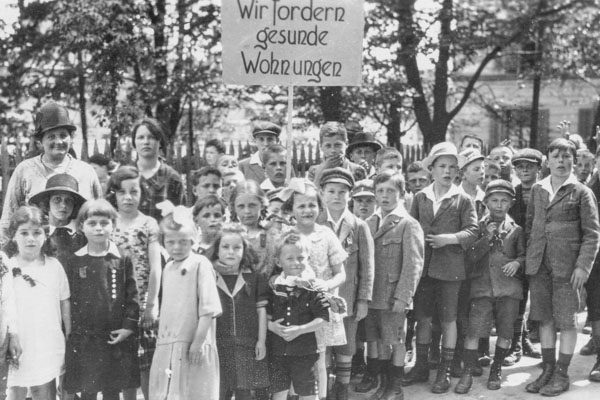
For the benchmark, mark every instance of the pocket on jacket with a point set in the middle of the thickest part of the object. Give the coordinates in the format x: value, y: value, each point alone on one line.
x: 391, y: 247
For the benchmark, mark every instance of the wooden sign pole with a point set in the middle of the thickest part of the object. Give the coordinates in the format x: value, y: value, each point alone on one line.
x: 289, y: 143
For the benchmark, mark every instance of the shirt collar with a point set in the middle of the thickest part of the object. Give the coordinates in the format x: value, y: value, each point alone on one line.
x: 71, y: 227
x: 399, y: 212
x: 255, y: 159
x: 546, y: 183
x: 112, y: 249
x: 267, y: 185
x: 479, y: 195
x: 428, y: 192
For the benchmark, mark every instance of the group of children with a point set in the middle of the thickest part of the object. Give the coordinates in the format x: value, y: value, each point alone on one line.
x: 265, y: 287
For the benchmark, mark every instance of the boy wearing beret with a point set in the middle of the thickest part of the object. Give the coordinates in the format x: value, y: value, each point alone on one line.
x: 354, y: 234
x: 265, y: 134
x: 498, y: 259
x: 563, y: 234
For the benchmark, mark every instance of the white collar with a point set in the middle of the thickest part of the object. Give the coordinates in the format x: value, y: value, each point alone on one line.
x: 112, y: 249
x: 546, y: 184
x: 479, y: 195
x: 255, y: 159
x: 428, y: 192
x: 71, y: 227
x: 399, y: 211
x: 337, y: 224
x: 267, y: 185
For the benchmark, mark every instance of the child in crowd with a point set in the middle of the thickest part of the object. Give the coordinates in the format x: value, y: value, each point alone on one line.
x: 295, y: 313
x: 326, y: 259
x: 101, y: 349
x: 496, y: 286
x: 137, y: 234
x: 355, y: 237
x: 209, y: 216
x: 389, y: 158
x: 61, y: 202
x: 584, y: 166
x: 501, y: 155
x: 41, y: 294
x: 527, y: 163
x: 399, y: 246
x: 227, y: 164
x: 363, y: 199
x: 563, y: 236
x: 10, y: 344
x: 449, y: 222
x: 362, y: 150
x: 471, y: 142
x: 265, y: 134
x: 186, y: 361
x: 103, y: 167
x: 213, y: 149
x: 492, y: 172
x: 242, y: 328
x: 274, y: 159
x: 473, y: 173
x: 206, y: 181
x: 417, y: 177
x: 334, y: 141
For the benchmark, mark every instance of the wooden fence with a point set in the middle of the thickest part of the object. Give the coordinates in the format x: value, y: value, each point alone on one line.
x: 303, y: 156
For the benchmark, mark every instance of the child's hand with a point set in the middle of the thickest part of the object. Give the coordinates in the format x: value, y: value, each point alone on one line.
x: 14, y: 350
x: 437, y: 241
x: 119, y: 335
x: 334, y: 161
x: 399, y: 306
x: 195, y: 354
x: 511, y: 268
x: 362, y: 308
x: 578, y: 278
x: 261, y: 350
x: 564, y: 128
x: 150, y: 317
x: 291, y: 332
x: 276, y: 327
x: 492, y: 229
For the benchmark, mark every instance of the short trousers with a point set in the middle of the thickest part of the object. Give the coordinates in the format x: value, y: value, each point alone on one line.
x: 348, y: 349
x: 299, y: 370
x: 592, y: 286
x: 484, y: 311
x: 386, y: 326
x: 436, y: 295
x: 553, y: 298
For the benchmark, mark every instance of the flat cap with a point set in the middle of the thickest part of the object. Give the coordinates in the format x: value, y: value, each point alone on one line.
x: 499, y: 186
x: 337, y: 175
x: 265, y: 128
x: 364, y: 187
x: 529, y: 155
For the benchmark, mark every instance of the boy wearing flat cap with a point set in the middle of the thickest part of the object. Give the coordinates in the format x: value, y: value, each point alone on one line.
x: 363, y: 199
x: 354, y: 234
x: 562, y: 231
x: 265, y: 134
x: 498, y: 258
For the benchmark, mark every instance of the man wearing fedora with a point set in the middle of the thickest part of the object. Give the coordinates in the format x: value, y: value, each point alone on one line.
x: 54, y: 130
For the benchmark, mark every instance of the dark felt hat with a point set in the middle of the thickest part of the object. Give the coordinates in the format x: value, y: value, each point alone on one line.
x: 59, y: 183
x: 530, y: 155
x: 337, y: 175
x: 500, y: 186
x: 51, y: 116
x: 363, y: 139
x: 266, y: 128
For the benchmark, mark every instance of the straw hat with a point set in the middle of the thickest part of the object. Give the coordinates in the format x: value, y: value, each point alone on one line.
x: 439, y: 150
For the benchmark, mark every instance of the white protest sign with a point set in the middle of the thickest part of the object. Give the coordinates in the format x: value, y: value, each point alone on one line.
x: 292, y: 42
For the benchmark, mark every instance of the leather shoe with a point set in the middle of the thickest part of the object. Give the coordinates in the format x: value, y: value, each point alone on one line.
x: 442, y: 379
x: 529, y: 350
x: 595, y: 372
x: 558, y: 384
x: 588, y: 349
x: 495, y: 379
x: 419, y: 373
x: 466, y: 381
x: 542, y: 380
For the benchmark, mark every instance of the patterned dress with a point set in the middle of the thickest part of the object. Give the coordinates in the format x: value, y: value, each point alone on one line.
x: 135, y: 240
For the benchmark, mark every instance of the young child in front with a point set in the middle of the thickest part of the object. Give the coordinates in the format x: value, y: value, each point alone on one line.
x: 295, y: 312
x: 10, y: 344
x: 209, y: 216
x: 563, y: 234
x: 101, y: 349
x: 496, y: 285
x: 326, y: 260
x: 354, y: 234
x: 449, y: 223
x: 137, y: 234
x: 242, y: 328
x: 399, y: 247
x: 186, y: 360
x: 333, y: 139
x: 41, y: 293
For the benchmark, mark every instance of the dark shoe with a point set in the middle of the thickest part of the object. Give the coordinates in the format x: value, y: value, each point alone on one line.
x: 368, y: 383
x: 381, y: 389
x: 393, y: 390
x: 466, y: 381
x: 419, y: 373
x: 558, y: 384
x: 477, y: 370
x: 456, y: 369
x: 442, y: 379
x: 595, y: 372
x: 341, y: 392
x: 529, y: 350
x: 485, y: 360
x: 495, y: 379
x: 542, y: 380
x: 514, y: 353
x: 588, y: 349
x: 534, y: 335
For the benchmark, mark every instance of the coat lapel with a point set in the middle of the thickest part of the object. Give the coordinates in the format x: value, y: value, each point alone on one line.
x: 389, y: 223
x: 562, y: 193
x: 239, y: 284
x: 345, y: 230
x: 446, y: 203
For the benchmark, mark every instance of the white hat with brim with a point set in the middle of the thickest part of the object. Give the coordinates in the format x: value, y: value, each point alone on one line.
x: 439, y: 150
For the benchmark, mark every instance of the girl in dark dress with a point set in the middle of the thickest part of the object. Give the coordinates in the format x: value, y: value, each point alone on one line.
x: 242, y: 328
x: 101, y: 351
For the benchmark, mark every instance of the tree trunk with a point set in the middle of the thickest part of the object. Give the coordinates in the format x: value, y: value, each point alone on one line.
x: 534, y: 140
x: 331, y: 103
x: 82, y: 105
x: 393, y: 126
